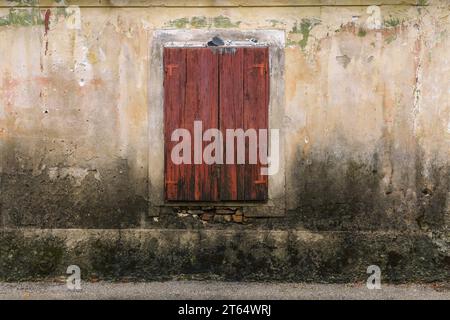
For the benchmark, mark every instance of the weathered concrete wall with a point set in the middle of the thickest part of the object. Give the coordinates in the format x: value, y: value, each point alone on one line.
x: 234, y: 255
x: 366, y: 121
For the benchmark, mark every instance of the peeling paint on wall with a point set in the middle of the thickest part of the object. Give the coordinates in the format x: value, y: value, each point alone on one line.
x: 77, y: 175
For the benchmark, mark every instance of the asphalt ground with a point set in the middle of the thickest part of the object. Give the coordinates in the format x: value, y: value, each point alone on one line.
x: 210, y: 290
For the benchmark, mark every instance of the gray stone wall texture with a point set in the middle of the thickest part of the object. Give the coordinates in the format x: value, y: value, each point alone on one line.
x: 361, y: 99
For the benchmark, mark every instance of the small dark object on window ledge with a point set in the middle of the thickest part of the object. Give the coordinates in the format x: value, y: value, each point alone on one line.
x: 215, y: 42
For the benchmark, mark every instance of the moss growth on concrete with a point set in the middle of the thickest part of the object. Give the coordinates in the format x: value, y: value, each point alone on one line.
x: 225, y: 22
x: 22, y: 17
x: 32, y: 16
x: 34, y: 258
x: 392, y: 22
x: 304, y: 28
x: 362, y: 32
x: 25, y: 2
x: 179, y: 23
x: 240, y: 255
x: 198, y: 22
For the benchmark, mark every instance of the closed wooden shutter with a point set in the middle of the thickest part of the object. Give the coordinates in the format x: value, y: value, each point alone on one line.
x: 225, y: 89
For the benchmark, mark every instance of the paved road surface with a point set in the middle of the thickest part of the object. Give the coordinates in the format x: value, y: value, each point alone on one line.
x: 219, y: 290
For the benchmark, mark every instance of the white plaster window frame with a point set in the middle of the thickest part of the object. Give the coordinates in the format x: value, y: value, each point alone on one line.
x: 275, y: 41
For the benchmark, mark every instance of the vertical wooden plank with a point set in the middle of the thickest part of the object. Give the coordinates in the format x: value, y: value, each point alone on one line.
x: 231, y: 91
x: 256, y: 88
x: 201, y: 105
x: 174, y: 103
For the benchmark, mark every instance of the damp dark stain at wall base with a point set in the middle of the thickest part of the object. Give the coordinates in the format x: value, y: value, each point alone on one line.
x: 240, y: 255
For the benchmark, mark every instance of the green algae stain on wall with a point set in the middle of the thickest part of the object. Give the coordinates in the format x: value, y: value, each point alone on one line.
x: 30, y: 16
x: 179, y: 23
x: 22, y: 17
x: 303, y: 29
x: 274, y: 23
x: 362, y: 32
x: 392, y: 22
x: 199, y: 22
x: 225, y: 22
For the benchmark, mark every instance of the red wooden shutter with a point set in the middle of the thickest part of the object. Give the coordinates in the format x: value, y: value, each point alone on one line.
x: 202, y: 104
x: 231, y: 117
x: 174, y: 103
x: 229, y: 90
x: 244, y: 93
x: 256, y: 108
x: 191, y: 94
